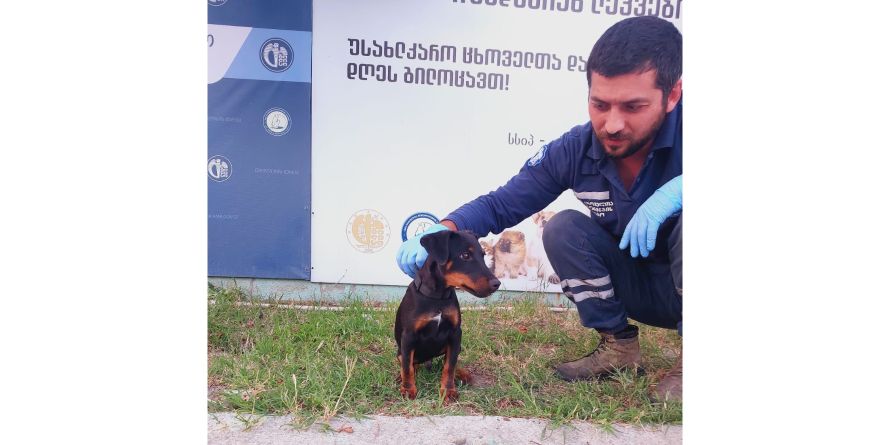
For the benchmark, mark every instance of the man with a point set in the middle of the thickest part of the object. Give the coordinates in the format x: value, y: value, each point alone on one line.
x: 625, y: 165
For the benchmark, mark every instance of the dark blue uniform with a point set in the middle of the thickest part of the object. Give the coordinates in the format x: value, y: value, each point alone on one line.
x: 605, y: 282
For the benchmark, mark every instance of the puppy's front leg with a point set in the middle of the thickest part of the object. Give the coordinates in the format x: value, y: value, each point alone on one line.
x: 407, y: 368
x: 447, y: 380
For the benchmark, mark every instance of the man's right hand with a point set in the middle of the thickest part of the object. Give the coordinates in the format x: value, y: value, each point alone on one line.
x: 643, y: 227
x: 412, y: 256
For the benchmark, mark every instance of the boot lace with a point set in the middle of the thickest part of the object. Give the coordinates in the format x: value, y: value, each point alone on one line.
x: 603, y: 346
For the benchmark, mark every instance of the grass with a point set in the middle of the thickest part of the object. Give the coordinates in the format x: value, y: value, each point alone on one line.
x: 314, y: 365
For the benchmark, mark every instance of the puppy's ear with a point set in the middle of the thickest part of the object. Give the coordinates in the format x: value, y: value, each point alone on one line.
x: 472, y: 234
x: 437, y: 245
x: 430, y: 278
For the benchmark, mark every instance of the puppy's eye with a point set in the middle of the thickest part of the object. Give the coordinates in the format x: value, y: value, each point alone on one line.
x: 465, y: 256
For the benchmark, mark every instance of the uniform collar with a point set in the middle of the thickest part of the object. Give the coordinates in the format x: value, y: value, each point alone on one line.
x: 666, y: 138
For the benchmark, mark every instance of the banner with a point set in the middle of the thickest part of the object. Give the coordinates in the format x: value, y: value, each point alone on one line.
x: 420, y: 107
x: 259, y: 160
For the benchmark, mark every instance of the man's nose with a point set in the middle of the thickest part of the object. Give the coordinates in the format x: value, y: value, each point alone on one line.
x: 614, y: 122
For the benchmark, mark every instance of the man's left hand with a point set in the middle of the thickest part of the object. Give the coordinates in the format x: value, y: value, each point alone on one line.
x: 643, y: 227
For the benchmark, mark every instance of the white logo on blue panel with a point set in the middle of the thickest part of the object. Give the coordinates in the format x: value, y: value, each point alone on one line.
x: 217, y: 2
x: 535, y: 160
x: 277, y: 121
x: 276, y: 55
x: 219, y: 168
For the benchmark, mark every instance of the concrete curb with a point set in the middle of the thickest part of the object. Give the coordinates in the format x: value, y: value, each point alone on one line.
x: 225, y: 429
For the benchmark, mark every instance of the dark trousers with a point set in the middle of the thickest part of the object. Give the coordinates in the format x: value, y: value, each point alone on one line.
x: 606, y: 283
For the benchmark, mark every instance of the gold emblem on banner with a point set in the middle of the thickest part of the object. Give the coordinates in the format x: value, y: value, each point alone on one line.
x: 368, y: 231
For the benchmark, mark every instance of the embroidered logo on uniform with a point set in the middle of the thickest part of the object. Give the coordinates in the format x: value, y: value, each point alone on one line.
x: 597, y: 202
x: 536, y: 159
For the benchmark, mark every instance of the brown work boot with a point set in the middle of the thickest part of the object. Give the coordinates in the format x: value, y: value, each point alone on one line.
x: 615, y: 351
x: 670, y: 388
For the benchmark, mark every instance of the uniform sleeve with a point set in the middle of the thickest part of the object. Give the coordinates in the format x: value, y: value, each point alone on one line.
x: 538, y: 183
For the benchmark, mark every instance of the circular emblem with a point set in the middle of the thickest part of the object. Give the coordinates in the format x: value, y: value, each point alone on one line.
x: 277, y: 121
x: 536, y: 159
x: 417, y: 223
x: 276, y: 55
x: 219, y: 168
x: 217, y: 2
x: 368, y: 231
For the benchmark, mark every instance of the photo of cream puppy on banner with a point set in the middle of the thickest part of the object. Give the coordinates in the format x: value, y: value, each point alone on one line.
x: 519, y: 259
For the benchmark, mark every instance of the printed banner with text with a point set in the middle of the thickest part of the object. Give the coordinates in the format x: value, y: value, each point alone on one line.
x: 420, y: 107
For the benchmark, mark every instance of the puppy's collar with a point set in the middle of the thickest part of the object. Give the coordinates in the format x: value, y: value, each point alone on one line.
x: 425, y: 290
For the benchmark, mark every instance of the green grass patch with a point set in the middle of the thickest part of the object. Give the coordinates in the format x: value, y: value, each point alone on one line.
x: 315, y: 364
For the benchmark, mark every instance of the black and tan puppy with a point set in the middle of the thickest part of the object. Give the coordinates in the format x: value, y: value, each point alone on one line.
x: 429, y: 318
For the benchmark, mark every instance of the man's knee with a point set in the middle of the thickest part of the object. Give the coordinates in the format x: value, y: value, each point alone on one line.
x: 563, y: 227
x: 675, y: 238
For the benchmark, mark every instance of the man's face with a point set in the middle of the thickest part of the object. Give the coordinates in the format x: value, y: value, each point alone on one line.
x: 628, y: 110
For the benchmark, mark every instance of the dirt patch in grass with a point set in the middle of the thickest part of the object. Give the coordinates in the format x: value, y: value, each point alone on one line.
x: 215, y: 389
x: 480, y: 378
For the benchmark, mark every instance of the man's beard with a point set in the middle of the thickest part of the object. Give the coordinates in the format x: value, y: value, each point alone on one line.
x: 636, y: 146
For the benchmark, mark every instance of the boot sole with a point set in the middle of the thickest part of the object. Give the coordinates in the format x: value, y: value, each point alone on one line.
x: 606, y: 375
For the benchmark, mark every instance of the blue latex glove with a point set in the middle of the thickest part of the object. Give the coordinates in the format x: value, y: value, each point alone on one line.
x: 643, y: 227
x: 412, y: 255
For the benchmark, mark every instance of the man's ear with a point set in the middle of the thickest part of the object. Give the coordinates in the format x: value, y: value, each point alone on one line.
x: 430, y: 277
x: 675, y: 95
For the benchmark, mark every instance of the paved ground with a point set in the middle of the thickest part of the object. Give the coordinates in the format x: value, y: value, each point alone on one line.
x: 225, y: 428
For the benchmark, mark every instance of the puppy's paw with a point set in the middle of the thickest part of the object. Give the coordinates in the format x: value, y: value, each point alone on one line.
x: 449, y: 395
x: 554, y: 279
x: 408, y: 391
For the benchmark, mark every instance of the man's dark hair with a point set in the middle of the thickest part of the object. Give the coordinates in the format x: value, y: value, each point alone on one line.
x: 636, y: 45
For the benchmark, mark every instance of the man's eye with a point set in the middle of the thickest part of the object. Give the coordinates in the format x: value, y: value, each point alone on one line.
x: 465, y: 256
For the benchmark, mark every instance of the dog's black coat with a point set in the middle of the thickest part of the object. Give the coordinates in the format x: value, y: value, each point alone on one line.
x: 428, y: 320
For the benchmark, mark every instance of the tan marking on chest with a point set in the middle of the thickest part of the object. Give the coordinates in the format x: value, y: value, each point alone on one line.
x: 424, y: 319
x: 452, y: 314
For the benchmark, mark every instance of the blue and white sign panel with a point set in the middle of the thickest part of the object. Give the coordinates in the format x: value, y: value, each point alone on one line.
x: 259, y: 159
